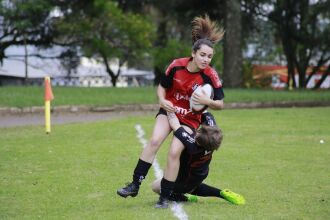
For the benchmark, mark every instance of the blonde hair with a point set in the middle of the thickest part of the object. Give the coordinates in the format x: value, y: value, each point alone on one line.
x: 205, y: 31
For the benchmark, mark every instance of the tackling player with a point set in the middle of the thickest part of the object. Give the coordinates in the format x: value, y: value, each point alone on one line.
x: 194, y: 166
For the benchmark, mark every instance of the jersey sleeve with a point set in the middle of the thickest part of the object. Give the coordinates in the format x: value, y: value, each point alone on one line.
x: 218, y: 94
x: 167, y: 79
x: 187, y: 139
x: 214, y: 80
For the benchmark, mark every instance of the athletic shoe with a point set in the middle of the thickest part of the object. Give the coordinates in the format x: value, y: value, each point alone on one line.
x: 129, y: 190
x: 192, y: 198
x: 162, y: 203
x: 232, y: 197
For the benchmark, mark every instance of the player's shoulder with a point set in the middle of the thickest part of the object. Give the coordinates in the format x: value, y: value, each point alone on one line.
x: 213, y: 75
x: 180, y: 62
x: 210, y: 71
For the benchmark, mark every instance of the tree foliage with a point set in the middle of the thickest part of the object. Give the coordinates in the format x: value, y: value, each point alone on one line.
x: 159, y: 31
x: 104, y: 32
x: 304, y: 38
x: 25, y: 23
x: 303, y: 28
x: 97, y: 28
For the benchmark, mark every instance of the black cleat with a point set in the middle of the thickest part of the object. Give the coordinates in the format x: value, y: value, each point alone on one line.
x: 162, y: 203
x: 129, y: 190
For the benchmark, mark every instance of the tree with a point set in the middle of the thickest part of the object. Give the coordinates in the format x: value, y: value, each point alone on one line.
x: 303, y: 28
x: 233, y: 75
x: 24, y: 23
x: 304, y: 37
x: 96, y: 28
x: 104, y: 32
x: 32, y: 23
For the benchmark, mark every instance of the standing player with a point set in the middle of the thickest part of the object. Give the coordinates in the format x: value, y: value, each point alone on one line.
x: 182, y: 77
x: 194, y: 166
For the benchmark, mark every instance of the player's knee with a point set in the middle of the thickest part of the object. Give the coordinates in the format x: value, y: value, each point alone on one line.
x: 154, y: 144
x: 174, y: 154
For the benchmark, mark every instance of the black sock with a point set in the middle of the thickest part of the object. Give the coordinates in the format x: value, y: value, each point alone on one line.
x: 140, y: 172
x: 207, y: 191
x: 166, y: 188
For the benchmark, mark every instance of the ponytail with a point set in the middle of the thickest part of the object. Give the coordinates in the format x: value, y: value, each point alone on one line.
x: 205, y: 31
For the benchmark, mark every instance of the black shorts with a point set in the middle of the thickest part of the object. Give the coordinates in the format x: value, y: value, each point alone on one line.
x: 188, y: 185
x: 161, y: 112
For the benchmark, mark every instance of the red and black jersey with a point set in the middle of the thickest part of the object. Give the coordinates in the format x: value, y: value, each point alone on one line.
x: 180, y: 84
x: 194, y: 160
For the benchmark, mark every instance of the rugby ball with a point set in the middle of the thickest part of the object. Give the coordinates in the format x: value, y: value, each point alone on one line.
x: 206, y: 89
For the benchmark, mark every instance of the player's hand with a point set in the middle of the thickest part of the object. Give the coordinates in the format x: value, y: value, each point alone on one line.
x: 167, y: 105
x: 201, y: 98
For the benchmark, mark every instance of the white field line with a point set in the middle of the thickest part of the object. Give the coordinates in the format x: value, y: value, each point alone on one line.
x: 176, y: 208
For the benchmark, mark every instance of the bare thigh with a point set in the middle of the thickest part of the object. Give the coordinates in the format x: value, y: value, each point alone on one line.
x: 160, y: 132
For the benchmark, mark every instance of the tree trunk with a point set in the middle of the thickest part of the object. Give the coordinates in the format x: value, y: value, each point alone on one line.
x: 26, y: 61
x: 160, y: 41
x: 232, y: 73
x: 109, y: 71
x: 114, y: 81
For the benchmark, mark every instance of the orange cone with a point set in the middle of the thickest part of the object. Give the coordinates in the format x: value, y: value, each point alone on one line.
x: 48, y: 90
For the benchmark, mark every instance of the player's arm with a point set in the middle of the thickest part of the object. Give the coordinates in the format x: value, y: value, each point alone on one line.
x: 203, y: 99
x: 164, y: 103
x: 215, y: 104
x: 187, y: 139
x: 173, y: 121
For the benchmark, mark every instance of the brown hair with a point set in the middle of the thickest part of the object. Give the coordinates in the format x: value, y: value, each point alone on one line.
x: 209, y: 137
x: 205, y: 31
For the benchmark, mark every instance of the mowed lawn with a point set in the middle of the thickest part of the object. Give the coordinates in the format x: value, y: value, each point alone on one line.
x: 271, y: 156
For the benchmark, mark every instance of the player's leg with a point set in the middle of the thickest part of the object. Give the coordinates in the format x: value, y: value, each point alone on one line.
x: 171, y: 171
x: 177, y: 196
x: 160, y: 132
x: 205, y: 190
x: 156, y: 186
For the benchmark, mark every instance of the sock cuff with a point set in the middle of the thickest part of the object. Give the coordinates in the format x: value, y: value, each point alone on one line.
x: 142, y: 167
x: 144, y: 163
x: 140, y: 171
x: 166, y: 188
x: 166, y: 183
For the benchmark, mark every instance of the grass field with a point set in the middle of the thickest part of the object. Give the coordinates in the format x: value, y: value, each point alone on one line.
x: 33, y: 96
x: 271, y: 156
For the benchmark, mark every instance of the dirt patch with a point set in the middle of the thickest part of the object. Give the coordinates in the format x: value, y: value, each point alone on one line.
x: 11, y: 117
x: 14, y: 120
